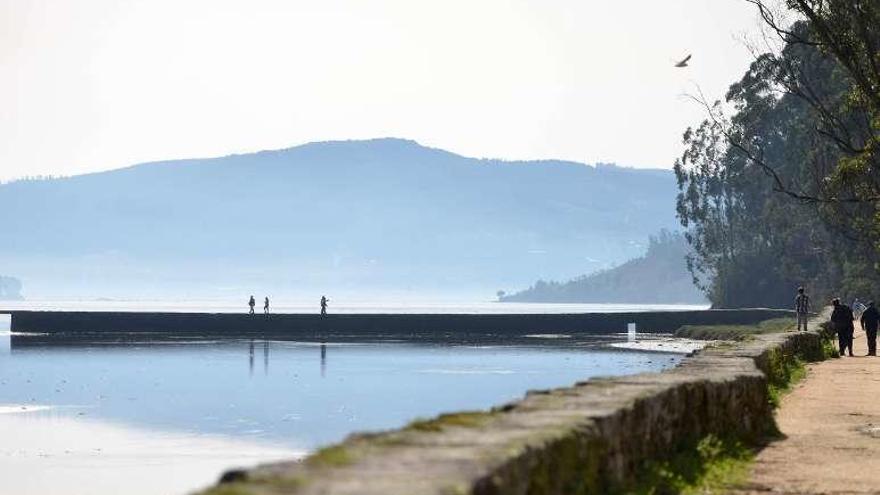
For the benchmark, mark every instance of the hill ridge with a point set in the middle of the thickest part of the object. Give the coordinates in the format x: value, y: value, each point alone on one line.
x: 385, y: 213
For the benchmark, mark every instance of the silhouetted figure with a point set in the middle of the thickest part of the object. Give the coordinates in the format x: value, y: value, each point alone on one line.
x: 802, y: 308
x: 842, y: 319
x: 324, y: 302
x: 266, y: 305
x: 870, y: 321
x: 252, y: 302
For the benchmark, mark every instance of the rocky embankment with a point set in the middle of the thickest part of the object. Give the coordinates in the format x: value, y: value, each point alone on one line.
x: 592, y: 437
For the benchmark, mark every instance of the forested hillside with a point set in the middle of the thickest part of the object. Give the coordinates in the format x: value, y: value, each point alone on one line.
x: 658, y: 277
x: 360, y: 217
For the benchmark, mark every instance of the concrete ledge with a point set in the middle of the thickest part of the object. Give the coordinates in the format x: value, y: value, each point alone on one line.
x: 589, y: 438
x: 427, y: 327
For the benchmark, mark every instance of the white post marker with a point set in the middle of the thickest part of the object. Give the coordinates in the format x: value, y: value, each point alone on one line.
x: 631, y: 332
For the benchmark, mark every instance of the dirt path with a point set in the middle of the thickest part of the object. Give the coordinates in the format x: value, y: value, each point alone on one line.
x: 831, y: 422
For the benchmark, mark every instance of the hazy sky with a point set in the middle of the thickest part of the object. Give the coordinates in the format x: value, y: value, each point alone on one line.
x: 96, y: 84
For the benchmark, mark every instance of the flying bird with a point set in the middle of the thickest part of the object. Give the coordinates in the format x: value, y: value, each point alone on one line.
x: 684, y: 62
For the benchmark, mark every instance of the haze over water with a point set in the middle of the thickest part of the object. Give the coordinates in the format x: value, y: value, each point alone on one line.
x: 345, y: 306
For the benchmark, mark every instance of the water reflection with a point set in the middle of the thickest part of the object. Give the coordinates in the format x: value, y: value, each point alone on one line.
x: 251, y: 352
x: 266, y: 357
x: 251, y: 358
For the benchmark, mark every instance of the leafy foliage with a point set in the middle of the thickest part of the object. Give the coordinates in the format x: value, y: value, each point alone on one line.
x: 712, y: 465
x: 775, y: 196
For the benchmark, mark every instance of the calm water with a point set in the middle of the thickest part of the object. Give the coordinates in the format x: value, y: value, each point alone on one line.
x: 214, y: 405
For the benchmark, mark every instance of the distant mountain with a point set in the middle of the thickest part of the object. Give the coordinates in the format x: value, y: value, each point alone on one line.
x: 10, y: 288
x: 350, y: 217
x: 658, y: 277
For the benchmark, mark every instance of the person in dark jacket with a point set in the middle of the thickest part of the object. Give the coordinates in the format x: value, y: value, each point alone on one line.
x: 842, y: 319
x: 870, y: 321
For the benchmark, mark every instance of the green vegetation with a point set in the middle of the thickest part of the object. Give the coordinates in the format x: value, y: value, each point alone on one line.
x: 275, y: 483
x: 660, y: 276
x: 712, y: 465
x: 333, y: 456
x: 466, y: 419
x: 715, y: 465
x: 734, y: 332
x: 228, y: 489
x: 785, y: 372
x: 780, y: 185
x: 793, y: 371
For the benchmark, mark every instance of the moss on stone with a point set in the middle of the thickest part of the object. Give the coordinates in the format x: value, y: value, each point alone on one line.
x: 228, y: 489
x: 734, y: 332
x: 332, y: 456
x: 571, y: 466
x: 466, y: 419
x: 785, y: 372
x: 455, y: 490
x: 275, y: 483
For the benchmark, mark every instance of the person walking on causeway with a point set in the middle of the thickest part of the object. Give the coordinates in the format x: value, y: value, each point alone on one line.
x: 870, y: 321
x: 802, y: 308
x: 252, y: 302
x: 842, y: 319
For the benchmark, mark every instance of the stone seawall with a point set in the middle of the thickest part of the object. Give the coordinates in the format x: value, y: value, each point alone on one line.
x: 58, y: 325
x: 589, y: 438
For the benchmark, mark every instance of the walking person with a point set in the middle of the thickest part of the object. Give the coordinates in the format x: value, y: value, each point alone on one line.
x: 252, y: 302
x: 802, y: 308
x: 870, y: 321
x: 266, y: 305
x: 842, y: 319
x: 324, y: 302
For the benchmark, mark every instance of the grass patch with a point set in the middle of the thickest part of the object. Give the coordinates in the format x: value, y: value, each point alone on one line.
x: 784, y: 374
x: 333, y: 456
x: 228, y: 489
x: 828, y: 350
x: 285, y: 484
x: 467, y: 419
x: 826, y: 331
x: 734, y: 332
x: 713, y: 465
